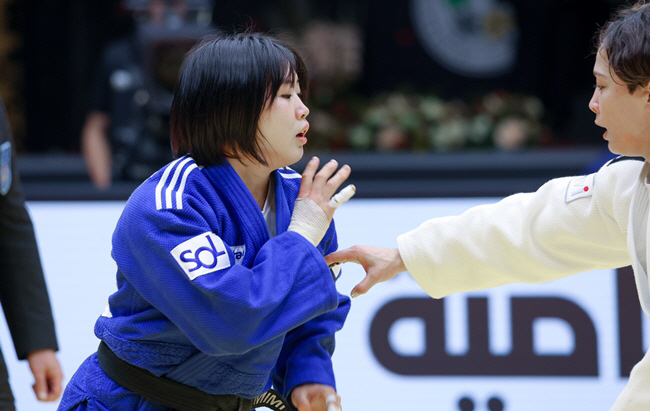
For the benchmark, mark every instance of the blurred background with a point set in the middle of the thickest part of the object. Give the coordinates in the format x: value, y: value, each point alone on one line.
x: 437, y: 105
x: 418, y: 82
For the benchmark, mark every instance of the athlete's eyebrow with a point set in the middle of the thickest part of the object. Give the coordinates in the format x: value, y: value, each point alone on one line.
x: 599, y: 74
x: 290, y: 82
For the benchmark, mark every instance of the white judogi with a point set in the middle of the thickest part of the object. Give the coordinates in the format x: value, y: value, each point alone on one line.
x: 568, y: 226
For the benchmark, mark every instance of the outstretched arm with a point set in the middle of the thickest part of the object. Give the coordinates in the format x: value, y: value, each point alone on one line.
x: 381, y: 264
x: 569, y: 225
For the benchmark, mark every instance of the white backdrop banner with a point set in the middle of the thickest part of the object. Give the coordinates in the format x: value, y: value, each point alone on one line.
x: 564, y: 345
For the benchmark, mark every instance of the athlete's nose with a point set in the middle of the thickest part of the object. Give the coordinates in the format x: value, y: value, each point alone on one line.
x: 593, y: 103
x: 302, y: 111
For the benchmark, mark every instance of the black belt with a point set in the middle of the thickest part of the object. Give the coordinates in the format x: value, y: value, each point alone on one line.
x: 176, y: 395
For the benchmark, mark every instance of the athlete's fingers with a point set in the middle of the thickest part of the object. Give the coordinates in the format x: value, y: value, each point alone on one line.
x: 366, y: 284
x: 342, y: 256
x: 333, y: 402
x: 308, y: 177
x: 336, y: 180
x: 342, y: 196
x: 301, y: 401
x: 352, y: 255
x: 323, y: 175
x: 380, y: 264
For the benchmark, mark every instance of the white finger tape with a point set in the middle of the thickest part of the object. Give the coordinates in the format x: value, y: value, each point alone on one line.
x: 342, y: 196
x: 331, y: 403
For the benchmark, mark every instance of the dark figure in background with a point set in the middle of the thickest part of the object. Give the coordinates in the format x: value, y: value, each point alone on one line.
x: 23, y: 292
x: 126, y: 132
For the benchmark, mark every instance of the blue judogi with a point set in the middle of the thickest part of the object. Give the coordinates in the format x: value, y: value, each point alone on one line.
x: 206, y: 298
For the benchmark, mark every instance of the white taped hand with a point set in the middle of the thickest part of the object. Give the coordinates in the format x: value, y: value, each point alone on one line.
x: 309, y: 220
x: 343, y: 196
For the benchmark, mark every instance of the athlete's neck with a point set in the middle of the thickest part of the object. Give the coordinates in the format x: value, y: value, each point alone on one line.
x: 255, y: 176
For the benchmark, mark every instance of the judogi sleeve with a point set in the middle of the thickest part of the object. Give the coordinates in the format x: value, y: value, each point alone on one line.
x: 306, y: 354
x: 226, y: 308
x: 23, y: 291
x: 570, y: 225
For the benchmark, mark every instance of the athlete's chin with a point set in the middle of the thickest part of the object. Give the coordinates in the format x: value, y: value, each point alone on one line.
x: 612, y: 147
x: 294, y: 156
x: 621, y: 151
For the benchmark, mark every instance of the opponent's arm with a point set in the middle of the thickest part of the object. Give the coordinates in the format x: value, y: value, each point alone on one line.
x: 569, y: 225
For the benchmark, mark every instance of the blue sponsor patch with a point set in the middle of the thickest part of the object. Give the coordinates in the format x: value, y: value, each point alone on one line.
x: 5, y: 167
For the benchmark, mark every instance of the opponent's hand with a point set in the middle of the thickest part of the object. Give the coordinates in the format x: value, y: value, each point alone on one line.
x: 47, y: 374
x: 380, y: 264
x: 315, y: 206
x: 315, y: 397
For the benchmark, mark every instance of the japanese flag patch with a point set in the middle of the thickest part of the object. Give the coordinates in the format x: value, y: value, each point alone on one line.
x: 579, y: 187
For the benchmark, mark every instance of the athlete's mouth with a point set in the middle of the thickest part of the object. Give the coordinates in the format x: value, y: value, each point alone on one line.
x: 303, y: 132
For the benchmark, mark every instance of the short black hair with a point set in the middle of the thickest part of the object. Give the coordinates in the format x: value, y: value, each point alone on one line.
x: 625, y: 39
x: 225, y: 82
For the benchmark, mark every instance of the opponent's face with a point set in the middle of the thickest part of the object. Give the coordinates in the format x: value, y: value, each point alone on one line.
x: 624, y: 115
x: 282, y: 126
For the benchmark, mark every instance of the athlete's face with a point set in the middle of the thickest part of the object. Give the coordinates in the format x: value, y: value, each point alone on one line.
x: 625, y: 116
x: 283, y: 126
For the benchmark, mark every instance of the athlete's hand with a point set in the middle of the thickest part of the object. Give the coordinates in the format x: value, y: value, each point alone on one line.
x: 321, y: 186
x: 315, y: 206
x: 314, y: 397
x: 47, y: 374
x: 381, y: 264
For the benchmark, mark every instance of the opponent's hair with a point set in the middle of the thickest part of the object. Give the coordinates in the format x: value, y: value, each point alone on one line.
x: 224, y: 84
x: 625, y: 39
